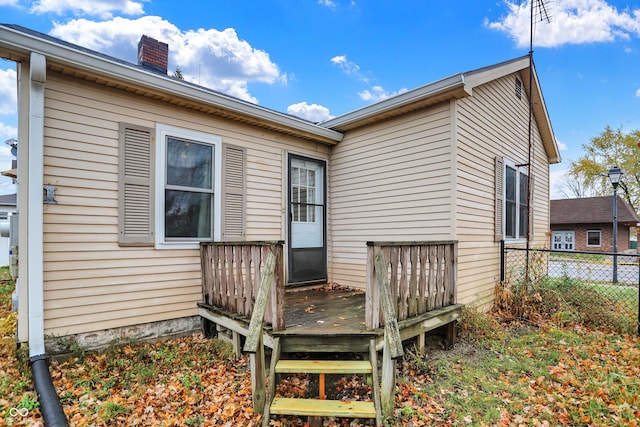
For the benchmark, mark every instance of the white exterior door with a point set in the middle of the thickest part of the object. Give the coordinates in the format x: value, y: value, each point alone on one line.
x: 307, y: 237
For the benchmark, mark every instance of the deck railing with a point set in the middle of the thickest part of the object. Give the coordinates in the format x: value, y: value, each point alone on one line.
x: 231, y: 274
x: 422, y: 277
x: 404, y: 280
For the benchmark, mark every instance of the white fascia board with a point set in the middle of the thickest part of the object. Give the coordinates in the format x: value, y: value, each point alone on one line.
x: 486, y: 74
x: 554, y: 157
x: 125, y: 73
x: 398, y: 101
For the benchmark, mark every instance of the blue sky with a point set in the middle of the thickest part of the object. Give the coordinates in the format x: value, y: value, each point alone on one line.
x: 323, y: 58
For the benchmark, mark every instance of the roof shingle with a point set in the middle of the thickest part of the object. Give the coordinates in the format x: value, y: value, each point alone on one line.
x: 591, y: 210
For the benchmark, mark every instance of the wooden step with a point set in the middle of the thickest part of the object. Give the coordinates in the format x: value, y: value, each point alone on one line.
x: 322, y: 408
x: 316, y: 343
x: 324, y: 366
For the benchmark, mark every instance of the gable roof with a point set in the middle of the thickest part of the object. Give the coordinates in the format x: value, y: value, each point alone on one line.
x: 17, y: 43
x: 456, y: 87
x: 591, y: 210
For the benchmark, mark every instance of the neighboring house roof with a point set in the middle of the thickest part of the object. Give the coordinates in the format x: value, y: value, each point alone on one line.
x: 8, y: 203
x: 8, y: 199
x: 591, y: 210
x: 16, y: 43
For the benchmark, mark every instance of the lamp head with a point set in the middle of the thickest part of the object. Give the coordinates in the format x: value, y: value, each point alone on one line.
x: 615, y: 175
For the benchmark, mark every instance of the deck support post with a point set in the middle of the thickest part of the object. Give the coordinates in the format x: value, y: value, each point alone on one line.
x: 422, y: 341
x: 235, y: 342
x: 258, y: 375
x: 450, y: 335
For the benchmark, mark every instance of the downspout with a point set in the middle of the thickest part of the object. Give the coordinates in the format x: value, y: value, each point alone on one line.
x: 49, y: 402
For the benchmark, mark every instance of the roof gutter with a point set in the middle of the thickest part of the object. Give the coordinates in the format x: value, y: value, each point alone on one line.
x: 440, y: 87
x: 127, y: 73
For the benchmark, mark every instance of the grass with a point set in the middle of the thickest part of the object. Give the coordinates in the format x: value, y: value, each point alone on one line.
x: 600, y: 304
x: 595, y: 304
x: 578, y: 256
x: 6, y: 288
x: 519, y: 374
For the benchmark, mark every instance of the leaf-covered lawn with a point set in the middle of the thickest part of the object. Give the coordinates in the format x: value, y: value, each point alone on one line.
x: 517, y: 376
x: 528, y: 376
x: 509, y: 375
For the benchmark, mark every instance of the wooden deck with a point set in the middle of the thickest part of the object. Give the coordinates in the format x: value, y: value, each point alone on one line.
x: 410, y: 291
x: 336, y: 314
x: 324, y: 311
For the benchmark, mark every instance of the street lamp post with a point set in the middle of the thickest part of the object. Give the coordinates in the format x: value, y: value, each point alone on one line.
x: 615, y: 174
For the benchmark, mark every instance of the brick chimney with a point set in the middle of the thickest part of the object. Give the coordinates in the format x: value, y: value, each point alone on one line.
x: 153, y: 54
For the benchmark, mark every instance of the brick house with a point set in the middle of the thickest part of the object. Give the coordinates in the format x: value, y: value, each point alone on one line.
x: 586, y: 224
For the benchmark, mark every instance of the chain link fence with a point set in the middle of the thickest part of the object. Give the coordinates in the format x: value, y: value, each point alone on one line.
x: 589, y: 287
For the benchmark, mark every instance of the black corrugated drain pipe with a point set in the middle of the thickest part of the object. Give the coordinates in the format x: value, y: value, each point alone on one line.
x: 50, y: 407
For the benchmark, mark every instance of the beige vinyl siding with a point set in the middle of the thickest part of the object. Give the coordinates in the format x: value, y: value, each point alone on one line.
x: 493, y: 122
x: 389, y: 181
x: 90, y: 282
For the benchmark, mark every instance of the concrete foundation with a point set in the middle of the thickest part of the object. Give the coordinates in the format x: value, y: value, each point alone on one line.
x: 101, y: 339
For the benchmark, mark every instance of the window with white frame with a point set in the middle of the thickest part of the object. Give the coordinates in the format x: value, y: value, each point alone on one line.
x: 188, y: 187
x: 594, y: 238
x: 516, y: 208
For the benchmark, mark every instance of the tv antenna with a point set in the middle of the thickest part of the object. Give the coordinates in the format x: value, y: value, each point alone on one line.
x: 539, y: 12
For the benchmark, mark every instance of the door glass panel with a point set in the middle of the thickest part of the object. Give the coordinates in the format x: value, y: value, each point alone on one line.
x: 307, y: 204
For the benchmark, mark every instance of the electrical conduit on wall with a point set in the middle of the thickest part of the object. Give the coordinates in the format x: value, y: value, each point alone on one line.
x: 49, y: 402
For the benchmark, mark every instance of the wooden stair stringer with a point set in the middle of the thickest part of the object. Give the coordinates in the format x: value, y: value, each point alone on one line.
x: 271, y: 384
x: 319, y: 407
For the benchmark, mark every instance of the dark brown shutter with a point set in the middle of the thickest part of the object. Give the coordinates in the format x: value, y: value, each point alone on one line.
x: 499, y: 197
x: 233, y: 192
x: 135, y: 186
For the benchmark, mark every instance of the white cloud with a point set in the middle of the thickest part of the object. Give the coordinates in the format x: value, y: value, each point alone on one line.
x: 312, y: 112
x: 562, y: 146
x: 219, y: 60
x: 350, y: 68
x: 373, y: 94
x: 8, y: 91
x: 7, y: 132
x: 327, y: 3
x: 638, y: 93
x: 378, y: 93
x: 8, y: 3
x: 572, y: 22
x: 101, y: 8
